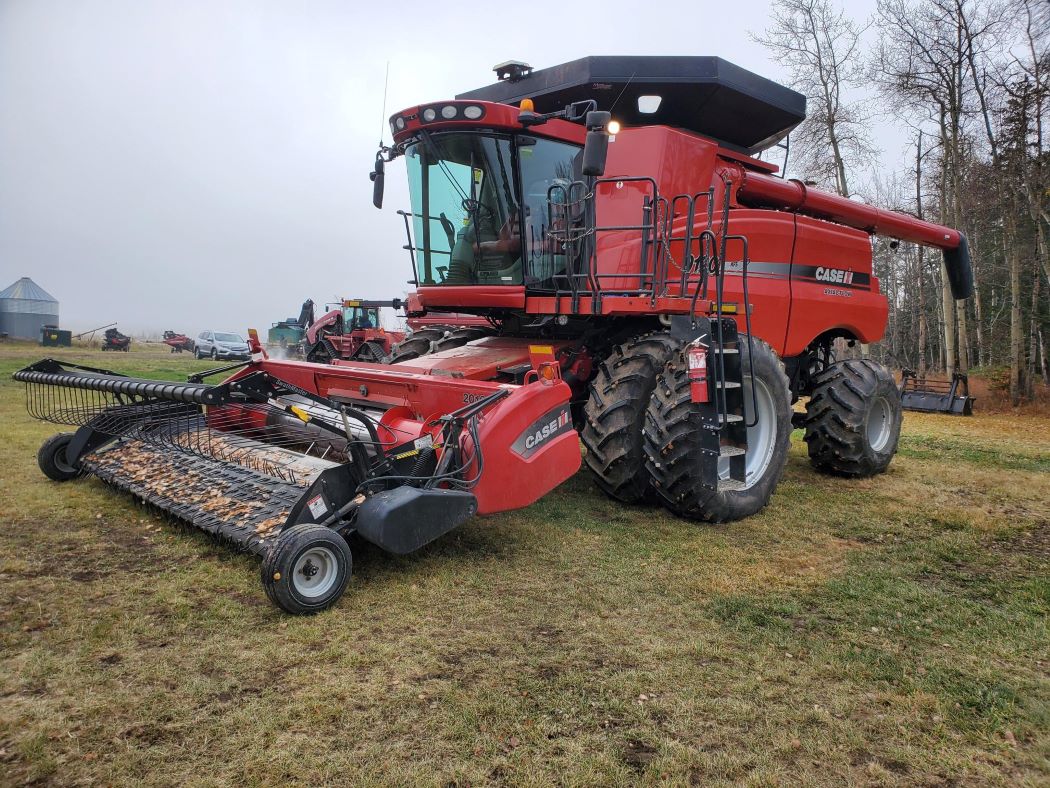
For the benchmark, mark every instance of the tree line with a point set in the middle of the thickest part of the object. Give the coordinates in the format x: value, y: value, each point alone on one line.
x: 970, y: 81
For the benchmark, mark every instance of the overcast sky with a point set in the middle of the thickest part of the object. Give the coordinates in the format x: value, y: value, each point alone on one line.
x: 198, y: 164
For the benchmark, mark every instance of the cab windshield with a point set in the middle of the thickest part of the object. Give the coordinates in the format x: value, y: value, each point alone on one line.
x: 355, y: 317
x: 480, y: 208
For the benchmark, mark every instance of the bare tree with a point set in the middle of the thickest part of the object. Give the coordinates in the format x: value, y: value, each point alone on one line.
x: 926, y: 58
x: 819, y: 45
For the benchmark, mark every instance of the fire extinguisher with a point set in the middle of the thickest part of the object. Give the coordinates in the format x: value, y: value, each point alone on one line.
x: 699, y: 390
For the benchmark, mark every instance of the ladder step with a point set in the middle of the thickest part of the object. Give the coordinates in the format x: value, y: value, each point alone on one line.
x: 730, y: 451
x: 729, y: 384
x: 725, y: 350
x: 732, y: 418
x: 730, y: 485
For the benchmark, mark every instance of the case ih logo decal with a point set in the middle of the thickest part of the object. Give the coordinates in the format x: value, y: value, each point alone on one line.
x: 835, y: 275
x: 807, y: 273
x: 553, y: 423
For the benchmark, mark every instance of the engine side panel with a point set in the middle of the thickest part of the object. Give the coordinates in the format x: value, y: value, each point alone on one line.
x: 832, y: 285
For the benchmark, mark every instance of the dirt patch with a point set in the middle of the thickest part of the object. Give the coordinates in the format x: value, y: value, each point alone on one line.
x: 1034, y: 542
x: 638, y: 755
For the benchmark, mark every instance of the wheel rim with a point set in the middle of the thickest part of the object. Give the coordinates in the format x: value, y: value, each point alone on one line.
x: 761, y: 437
x: 880, y: 421
x: 61, y: 461
x: 315, y: 572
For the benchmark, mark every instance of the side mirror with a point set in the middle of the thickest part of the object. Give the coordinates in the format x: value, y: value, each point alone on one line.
x: 596, y: 148
x: 377, y: 182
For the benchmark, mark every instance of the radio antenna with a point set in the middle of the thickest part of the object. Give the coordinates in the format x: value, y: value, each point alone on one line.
x: 382, y: 118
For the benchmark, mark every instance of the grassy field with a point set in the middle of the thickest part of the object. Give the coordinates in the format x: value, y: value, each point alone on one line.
x: 886, y: 631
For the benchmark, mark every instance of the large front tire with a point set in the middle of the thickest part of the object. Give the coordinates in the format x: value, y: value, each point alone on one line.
x: 853, y: 419
x: 674, y: 453
x: 308, y: 569
x: 615, y: 414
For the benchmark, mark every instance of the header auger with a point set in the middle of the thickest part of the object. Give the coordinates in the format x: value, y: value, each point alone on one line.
x: 652, y: 286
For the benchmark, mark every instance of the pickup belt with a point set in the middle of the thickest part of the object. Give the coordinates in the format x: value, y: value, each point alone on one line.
x: 232, y: 502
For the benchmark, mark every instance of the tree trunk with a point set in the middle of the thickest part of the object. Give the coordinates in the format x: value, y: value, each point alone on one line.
x: 1016, y: 338
x: 1044, y: 368
x: 1033, y: 347
x: 948, y: 312
x: 964, y: 337
x: 923, y: 326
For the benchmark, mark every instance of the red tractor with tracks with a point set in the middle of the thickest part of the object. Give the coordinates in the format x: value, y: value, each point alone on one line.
x: 351, y: 329
x: 646, y: 281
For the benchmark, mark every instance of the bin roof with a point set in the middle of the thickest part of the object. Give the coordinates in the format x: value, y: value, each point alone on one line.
x: 27, y: 290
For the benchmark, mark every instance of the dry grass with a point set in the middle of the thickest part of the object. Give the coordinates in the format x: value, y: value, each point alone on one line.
x: 887, y: 631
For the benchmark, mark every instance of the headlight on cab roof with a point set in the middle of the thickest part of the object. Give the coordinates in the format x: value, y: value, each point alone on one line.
x: 452, y: 110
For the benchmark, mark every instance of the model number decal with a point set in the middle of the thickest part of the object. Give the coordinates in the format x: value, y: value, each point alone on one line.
x: 470, y: 398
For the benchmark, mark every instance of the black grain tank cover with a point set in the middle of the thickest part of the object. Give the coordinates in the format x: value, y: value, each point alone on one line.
x: 707, y: 95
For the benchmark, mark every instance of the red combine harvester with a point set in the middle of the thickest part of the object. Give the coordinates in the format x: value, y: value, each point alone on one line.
x: 653, y: 285
x: 687, y: 293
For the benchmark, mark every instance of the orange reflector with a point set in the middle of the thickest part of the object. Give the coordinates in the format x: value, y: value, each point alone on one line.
x: 526, y: 105
x: 541, y: 350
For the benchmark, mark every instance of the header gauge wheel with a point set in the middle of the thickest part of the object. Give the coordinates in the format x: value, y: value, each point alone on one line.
x: 308, y: 569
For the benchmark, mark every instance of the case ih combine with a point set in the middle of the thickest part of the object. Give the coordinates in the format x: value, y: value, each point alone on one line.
x: 653, y: 285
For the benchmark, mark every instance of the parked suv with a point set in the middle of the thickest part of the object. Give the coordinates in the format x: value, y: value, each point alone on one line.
x: 218, y: 344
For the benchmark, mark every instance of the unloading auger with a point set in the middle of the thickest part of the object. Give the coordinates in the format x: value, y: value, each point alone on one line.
x: 286, y: 459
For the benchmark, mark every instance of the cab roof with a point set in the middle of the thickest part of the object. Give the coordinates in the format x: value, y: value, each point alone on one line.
x: 703, y: 94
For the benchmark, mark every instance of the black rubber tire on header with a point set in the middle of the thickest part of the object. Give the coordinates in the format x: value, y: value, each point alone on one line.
x: 615, y: 414
x: 52, y: 458
x: 853, y: 419
x: 674, y: 454
x: 296, y: 549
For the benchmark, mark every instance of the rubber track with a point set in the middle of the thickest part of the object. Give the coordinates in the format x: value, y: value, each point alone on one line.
x: 615, y: 414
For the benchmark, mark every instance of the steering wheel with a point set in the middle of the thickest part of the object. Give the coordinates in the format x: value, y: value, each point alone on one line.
x: 476, y: 208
